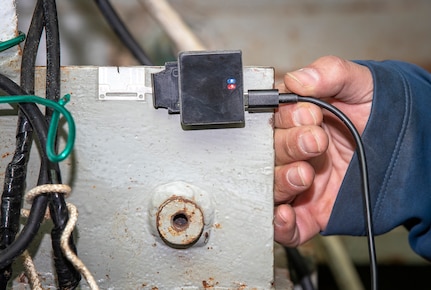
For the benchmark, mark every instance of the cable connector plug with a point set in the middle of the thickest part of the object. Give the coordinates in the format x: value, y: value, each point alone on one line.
x: 266, y: 100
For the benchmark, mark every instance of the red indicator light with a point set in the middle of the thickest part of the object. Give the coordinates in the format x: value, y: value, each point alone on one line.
x: 231, y: 86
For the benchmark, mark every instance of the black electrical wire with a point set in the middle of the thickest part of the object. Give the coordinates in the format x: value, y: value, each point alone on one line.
x: 16, y: 171
x: 68, y: 277
x: 27, y: 234
x: 52, y: 53
x: 303, y: 274
x: 45, y: 15
x: 37, y: 211
x: 291, y: 98
x: 122, y: 32
x: 13, y: 191
x: 30, y: 49
x: 31, y: 111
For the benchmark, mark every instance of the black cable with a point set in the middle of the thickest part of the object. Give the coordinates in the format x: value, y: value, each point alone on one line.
x: 67, y: 275
x: 297, y: 261
x: 13, y: 191
x: 290, y: 98
x: 267, y: 100
x: 31, y: 111
x: 44, y: 15
x: 30, y: 49
x: 16, y: 171
x: 52, y: 53
x: 39, y: 205
x: 37, y: 212
x: 27, y: 234
x: 122, y: 32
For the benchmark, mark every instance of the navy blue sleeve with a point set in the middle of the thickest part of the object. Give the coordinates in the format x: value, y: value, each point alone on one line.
x: 397, y: 141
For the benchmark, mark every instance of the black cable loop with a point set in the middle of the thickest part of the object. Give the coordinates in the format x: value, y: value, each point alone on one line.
x: 287, y: 98
x: 37, y: 212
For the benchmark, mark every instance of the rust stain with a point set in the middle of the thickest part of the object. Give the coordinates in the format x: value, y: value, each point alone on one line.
x: 206, y: 285
x: 217, y: 226
x: 210, y: 284
x: 5, y: 155
x: 22, y: 278
x: 174, y: 232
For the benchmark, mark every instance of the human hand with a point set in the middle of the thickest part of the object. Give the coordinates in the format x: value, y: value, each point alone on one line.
x: 313, y: 148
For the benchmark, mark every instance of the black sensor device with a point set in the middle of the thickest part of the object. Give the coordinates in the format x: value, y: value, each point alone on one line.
x: 211, y: 90
x: 205, y: 87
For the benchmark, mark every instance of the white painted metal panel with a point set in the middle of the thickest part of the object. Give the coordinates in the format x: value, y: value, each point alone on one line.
x: 9, y: 59
x: 126, y: 151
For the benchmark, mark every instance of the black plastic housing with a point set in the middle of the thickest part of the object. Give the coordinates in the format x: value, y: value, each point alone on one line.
x: 165, y: 88
x: 211, y: 89
x: 205, y: 87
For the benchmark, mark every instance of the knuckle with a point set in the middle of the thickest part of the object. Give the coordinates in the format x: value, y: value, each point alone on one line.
x: 337, y: 66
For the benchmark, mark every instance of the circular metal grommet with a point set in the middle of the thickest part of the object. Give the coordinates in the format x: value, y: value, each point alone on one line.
x: 180, y: 222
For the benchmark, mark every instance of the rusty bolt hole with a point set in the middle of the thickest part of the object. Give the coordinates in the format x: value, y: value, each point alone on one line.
x: 180, y: 221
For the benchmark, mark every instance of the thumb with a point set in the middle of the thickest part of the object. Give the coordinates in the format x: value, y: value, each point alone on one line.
x: 332, y: 76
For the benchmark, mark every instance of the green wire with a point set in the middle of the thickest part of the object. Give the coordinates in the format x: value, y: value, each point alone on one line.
x: 52, y: 130
x: 12, y: 42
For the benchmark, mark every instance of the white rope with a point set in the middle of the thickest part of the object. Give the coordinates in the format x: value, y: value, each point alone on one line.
x: 48, y: 188
x: 31, y: 272
x: 64, y: 242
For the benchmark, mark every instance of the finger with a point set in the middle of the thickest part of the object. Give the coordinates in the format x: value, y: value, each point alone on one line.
x: 298, y: 114
x: 281, y: 87
x: 299, y: 143
x: 293, y: 226
x: 291, y: 180
x: 285, y: 228
x: 331, y: 76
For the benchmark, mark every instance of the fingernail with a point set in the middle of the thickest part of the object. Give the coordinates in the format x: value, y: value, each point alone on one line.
x: 304, y: 116
x: 294, y: 176
x: 308, y: 143
x: 306, y: 77
x: 279, y: 221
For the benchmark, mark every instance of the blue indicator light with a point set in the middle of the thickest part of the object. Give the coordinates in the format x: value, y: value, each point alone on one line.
x: 231, y: 81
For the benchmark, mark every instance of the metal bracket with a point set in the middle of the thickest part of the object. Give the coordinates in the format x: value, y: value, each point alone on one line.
x: 123, y: 83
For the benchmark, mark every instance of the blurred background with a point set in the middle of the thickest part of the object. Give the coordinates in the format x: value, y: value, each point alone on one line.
x: 286, y: 35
